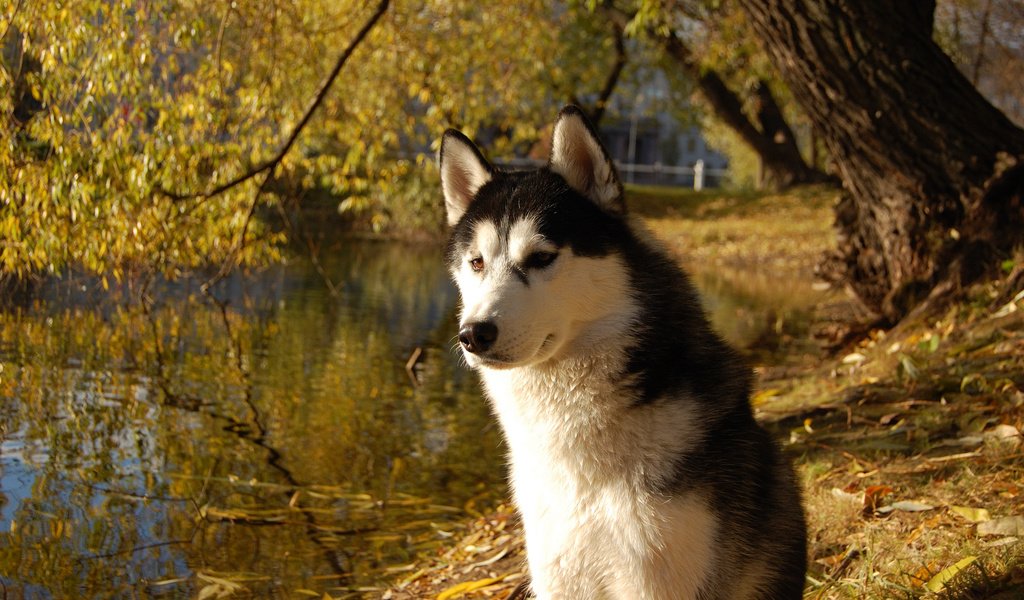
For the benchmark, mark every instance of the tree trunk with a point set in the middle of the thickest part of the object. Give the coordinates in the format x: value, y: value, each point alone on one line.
x: 771, y: 138
x: 613, y: 76
x: 915, y: 144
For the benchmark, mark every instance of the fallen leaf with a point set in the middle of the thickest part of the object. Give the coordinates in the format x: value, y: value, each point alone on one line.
x: 922, y: 576
x: 855, y: 467
x: 925, y: 525
x: 217, y: 587
x: 467, y: 586
x: 1006, y: 541
x: 886, y: 419
x: 832, y: 561
x: 762, y: 396
x: 1004, y: 434
x: 910, y: 367
x: 854, y: 358
x: 974, y: 515
x: 847, y: 496
x: 1003, y: 526
x: 937, y: 583
x: 873, y: 495
x: 905, y: 506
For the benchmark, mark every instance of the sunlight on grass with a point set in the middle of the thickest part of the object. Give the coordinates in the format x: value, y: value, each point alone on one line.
x: 786, y: 231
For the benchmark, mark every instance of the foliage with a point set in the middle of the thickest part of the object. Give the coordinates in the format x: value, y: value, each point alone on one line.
x: 744, y: 165
x: 740, y: 90
x: 105, y: 103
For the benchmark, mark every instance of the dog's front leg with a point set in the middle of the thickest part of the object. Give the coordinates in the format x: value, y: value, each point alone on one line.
x: 558, y: 568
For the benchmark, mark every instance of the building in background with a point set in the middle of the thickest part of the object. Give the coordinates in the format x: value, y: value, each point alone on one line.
x: 659, y: 150
x: 644, y: 135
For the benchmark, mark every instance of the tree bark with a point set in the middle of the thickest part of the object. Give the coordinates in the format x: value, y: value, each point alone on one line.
x: 916, y: 145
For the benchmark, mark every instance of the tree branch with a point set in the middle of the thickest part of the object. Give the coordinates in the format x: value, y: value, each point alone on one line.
x: 10, y: 23
x: 613, y: 76
x: 318, y: 99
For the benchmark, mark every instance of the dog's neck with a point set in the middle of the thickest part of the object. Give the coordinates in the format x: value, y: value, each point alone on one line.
x: 580, y: 415
x: 573, y: 390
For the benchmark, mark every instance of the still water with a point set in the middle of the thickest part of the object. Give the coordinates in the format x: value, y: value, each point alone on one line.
x: 265, y: 441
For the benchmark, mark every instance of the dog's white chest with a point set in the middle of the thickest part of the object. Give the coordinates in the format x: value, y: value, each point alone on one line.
x: 581, y: 474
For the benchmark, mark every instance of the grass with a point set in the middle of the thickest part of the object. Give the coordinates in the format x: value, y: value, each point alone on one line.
x: 907, y: 442
x: 778, y: 231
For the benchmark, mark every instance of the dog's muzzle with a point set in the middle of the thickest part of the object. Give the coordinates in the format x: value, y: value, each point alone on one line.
x: 478, y: 337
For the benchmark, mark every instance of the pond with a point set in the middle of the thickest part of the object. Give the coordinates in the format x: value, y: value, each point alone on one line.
x: 267, y: 440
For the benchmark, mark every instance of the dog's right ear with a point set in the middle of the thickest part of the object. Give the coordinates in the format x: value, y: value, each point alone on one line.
x: 464, y: 170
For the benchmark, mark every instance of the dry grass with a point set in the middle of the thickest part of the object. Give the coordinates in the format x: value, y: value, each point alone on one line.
x: 907, y: 443
x: 775, y: 231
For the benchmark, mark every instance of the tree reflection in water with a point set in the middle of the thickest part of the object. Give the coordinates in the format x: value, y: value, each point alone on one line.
x: 265, y: 439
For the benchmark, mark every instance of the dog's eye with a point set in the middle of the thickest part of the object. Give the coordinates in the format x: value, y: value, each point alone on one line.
x: 539, y: 260
x: 477, y: 264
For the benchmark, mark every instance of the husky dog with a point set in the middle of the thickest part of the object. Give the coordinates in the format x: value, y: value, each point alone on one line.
x: 636, y: 463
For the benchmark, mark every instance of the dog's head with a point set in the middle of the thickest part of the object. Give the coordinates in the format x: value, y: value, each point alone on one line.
x: 536, y: 255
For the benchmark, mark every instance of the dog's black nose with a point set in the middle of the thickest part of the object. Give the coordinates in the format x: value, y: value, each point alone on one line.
x: 478, y: 337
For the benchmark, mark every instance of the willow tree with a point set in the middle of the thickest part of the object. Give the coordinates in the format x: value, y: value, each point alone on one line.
x: 932, y: 170
x: 145, y: 136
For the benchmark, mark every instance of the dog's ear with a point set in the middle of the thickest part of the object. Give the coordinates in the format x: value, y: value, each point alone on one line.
x: 464, y: 170
x: 578, y: 156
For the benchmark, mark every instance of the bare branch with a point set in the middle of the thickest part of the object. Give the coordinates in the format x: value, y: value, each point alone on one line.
x: 274, y: 161
x: 613, y: 76
x: 10, y: 23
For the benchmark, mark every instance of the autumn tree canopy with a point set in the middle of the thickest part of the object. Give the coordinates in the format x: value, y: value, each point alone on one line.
x: 148, y: 135
x: 124, y: 125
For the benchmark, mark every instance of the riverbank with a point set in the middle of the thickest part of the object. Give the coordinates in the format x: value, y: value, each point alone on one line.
x: 907, y: 441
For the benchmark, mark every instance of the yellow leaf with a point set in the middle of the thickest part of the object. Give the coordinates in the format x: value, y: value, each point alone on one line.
x: 467, y: 586
x: 937, y: 583
x: 763, y: 396
x: 922, y: 575
x: 974, y: 515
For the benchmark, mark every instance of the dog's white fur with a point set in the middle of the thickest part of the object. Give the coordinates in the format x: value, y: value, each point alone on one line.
x: 578, y: 457
x: 582, y: 454
x: 578, y: 451
x: 464, y: 175
x: 573, y: 302
x: 577, y: 157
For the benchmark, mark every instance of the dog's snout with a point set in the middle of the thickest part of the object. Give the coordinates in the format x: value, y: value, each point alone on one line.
x: 478, y: 337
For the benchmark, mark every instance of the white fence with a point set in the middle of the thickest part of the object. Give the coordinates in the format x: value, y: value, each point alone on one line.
x: 698, y: 171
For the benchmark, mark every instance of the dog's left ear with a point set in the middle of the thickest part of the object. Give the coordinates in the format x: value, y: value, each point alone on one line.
x: 578, y: 156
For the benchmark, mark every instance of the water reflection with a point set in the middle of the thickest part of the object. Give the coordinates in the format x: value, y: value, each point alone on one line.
x: 273, y: 440
x: 269, y: 443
